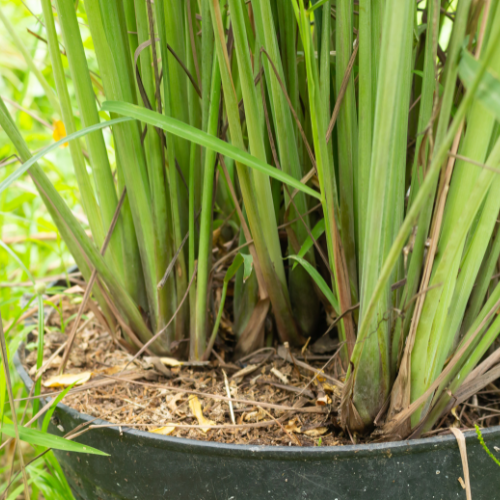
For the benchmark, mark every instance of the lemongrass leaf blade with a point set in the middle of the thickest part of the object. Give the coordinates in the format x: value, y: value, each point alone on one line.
x: 200, y: 137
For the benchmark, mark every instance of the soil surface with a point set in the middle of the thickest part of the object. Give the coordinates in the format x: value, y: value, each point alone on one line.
x: 276, y: 396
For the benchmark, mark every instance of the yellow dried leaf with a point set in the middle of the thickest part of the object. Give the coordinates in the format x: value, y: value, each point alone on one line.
x: 59, y: 131
x: 319, y: 431
x: 195, y: 406
x: 279, y: 375
x: 292, y: 426
x: 256, y: 416
x: 331, y: 388
x: 113, y: 369
x: 67, y: 379
x: 170, y: 362
x: 173, y: 400
x: 164, y: 431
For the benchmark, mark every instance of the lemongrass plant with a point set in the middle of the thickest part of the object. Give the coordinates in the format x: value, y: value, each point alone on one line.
x: 339, y: 158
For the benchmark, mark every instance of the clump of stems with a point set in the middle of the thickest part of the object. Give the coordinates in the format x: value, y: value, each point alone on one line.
x: 338, y: 159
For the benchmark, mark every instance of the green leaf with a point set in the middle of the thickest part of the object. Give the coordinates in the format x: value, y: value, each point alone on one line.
x: 489, y: 88
x: 50, y: 411
x: 317, y: 5
x: 39, y: 438
x: 241, y: 258
x: 26, y: 165
x: 317, y: 231
x: 247, y: 266
x: 192, y: 134
x: 318, y: 279
x: 233, y: 268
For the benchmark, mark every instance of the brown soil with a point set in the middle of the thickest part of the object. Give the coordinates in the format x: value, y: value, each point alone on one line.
x: 276, y: 395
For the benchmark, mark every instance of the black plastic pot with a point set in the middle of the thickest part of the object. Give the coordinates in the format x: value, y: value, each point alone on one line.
x: 148, y: 466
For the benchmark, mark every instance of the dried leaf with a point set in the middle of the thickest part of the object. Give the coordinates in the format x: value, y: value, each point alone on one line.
x: 255, y: 416
x: 318, y: 431
x: 292, y: 426
x: 59, y: 131
x: 113, y: 369
x: 195, y: 406
x: 172, y: 401
x: 67, y: 379
x: 332, y: 388
x: 279, y: 375
x: 56, y: 362
x: 170, y: 362
x: 164, y: 431
x: 459, y: 436
x: 245, y: 371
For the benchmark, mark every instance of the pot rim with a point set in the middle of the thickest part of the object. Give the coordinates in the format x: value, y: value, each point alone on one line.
x: 283, y: 452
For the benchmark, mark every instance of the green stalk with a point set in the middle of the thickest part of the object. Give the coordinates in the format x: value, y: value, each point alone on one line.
x: 431, y: 336
x: 288, y: 49
x: 346, y: 135
x: 445, y: 330
x: 327, y: 182
x: 480, y: 290
x: 421, y: 198
x: 195, y: 348
x: 153, y: 147
x: 367, y: 93
x: 255, y: 186
x: 371, y: 355
x: 205, y: 245
x: 207, y: 57
x: 429, y: 87
x: 174, y: 24
x: 106, y: 191
x: 303, y: 298
x: 449, y: 82
x: 176, y: 191
x: 468, y: 361
x: 133, y: 277
x: 133, y: 39
x: 195, y: 106
x: 110, y: 27
x: 467, y: 278
x: 88, y: 199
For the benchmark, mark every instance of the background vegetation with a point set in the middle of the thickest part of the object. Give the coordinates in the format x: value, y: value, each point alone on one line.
x: 25, y: 226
